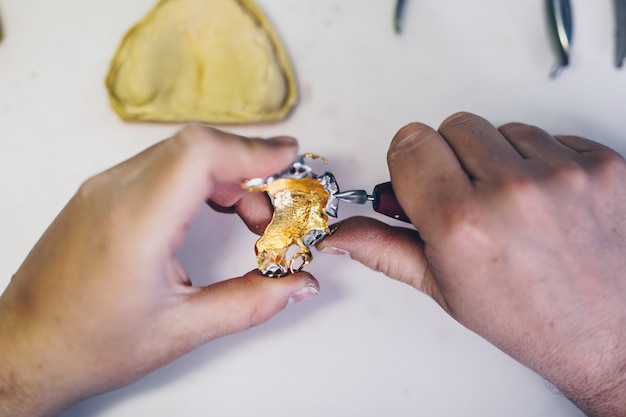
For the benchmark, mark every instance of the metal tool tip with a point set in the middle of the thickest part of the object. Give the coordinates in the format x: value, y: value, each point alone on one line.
x: 354, y: 196
x: 556, y: 71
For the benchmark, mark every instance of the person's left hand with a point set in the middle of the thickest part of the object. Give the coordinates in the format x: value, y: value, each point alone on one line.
x: 101, y: 300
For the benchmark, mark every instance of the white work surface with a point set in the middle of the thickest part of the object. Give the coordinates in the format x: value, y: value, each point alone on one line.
x: 367, y: 345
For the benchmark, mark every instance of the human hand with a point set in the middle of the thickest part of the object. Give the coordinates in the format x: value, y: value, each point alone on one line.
x: 101, y: 300
x: 522, y: 239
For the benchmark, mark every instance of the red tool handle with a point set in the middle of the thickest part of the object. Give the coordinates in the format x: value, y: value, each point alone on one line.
x: 385, y: 202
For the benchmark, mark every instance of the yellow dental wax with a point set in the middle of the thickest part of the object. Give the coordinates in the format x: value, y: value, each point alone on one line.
x: 214, y: 61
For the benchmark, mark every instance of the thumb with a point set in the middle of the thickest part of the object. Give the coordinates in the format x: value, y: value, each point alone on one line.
x: 397, y: 252
x: 237, y: 304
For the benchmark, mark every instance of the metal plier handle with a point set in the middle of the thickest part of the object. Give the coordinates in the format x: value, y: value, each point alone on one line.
x: 620, y: 32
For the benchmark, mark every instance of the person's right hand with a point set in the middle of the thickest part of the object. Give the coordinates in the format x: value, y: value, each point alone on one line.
x: 522, y: 239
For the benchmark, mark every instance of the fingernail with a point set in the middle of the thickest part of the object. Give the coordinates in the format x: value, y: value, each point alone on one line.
x: 282, y: 141
x: 333, y: 250
x: 302, y: 294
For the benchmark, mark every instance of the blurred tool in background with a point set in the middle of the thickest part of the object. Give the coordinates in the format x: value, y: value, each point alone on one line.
x: 560, y: 21
x: 398, y: 16
x: 620, y: 32
x: 559, y: 13
x: 1, y: 31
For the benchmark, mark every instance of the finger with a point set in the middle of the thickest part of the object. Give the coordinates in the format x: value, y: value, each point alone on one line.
x: 599, y: 160
x: 482, y: 150
x: 581, y: 145
x: 533, y: 142
x: 231, y: 158
x: 225, y: 195
x: 254, y: 208
x: 204, y: 157
x: 237, y: 304
x: 397, y: 252
x: 426, y: 177
x: 256, y: 211
x: 177, y: 175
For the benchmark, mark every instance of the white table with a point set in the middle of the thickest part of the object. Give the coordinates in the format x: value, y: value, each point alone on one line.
x: 366, y: 346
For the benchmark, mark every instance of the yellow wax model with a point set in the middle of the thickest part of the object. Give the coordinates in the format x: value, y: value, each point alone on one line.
x: 214, y: 61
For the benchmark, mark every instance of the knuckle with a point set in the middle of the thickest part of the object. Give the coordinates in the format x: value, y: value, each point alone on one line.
x: 470, y: 236
x: 522, y: 134
x: 512, y: 126
x: 197, y: 141
x: 409, y: 138
x: 192, y: 142
x: 516, y: 182
x: 522, y: 191
x: 191, y: 137
x: 92, y: 186
x: 571, y: 175
x: 459, y: 118
x: 610, y: 164
x: 459, y: 220
x: 97, y: 201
